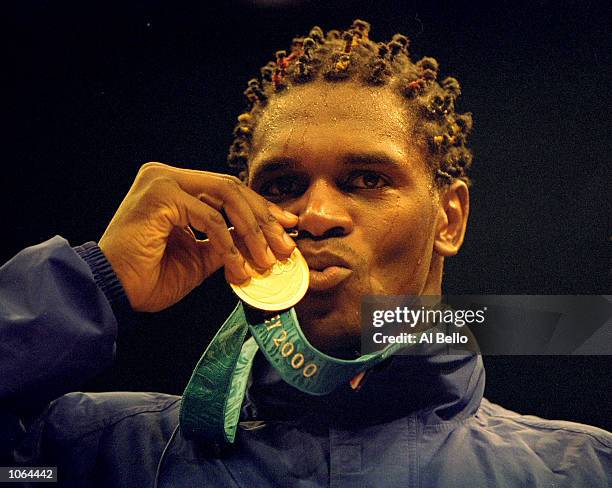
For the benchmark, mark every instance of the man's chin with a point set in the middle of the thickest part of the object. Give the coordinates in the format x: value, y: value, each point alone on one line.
x: 327, y: 325
x: 321, y: 307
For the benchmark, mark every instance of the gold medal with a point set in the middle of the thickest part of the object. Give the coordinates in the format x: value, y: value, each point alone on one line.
x: 278, y: 288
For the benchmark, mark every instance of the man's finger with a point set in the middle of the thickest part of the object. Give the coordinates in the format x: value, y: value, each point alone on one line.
x: 257, y: 221
x: 208, y: 220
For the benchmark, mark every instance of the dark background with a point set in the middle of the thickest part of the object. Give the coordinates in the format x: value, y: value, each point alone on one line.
x: 96, y: 89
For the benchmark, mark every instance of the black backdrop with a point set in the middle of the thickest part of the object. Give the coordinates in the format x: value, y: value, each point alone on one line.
x: 95, y: 89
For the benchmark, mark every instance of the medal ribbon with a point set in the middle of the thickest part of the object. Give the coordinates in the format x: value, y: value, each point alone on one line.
x: 211, y: 403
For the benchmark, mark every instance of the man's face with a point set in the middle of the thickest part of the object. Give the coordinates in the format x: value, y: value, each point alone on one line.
x: 343, y: 157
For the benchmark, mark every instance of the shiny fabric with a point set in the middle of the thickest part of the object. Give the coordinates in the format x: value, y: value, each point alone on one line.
x: 415, y: 421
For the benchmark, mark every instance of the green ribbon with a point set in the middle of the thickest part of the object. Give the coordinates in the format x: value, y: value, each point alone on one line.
x: 210, y: 408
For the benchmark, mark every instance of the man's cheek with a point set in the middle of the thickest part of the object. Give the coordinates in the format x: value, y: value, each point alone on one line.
x: 373, y: 277
x: 402, y: 263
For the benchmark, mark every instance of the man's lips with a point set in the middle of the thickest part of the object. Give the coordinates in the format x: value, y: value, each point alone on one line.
x: 327, y: 270
x: 328, y: 277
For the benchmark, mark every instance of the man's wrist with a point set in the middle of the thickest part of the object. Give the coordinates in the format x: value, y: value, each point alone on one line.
x: 105, y: 277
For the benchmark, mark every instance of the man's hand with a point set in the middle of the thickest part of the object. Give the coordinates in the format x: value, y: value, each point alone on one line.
x: 156, y: 255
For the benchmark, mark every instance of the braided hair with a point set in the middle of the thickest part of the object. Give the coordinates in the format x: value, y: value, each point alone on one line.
x: 352, y: 55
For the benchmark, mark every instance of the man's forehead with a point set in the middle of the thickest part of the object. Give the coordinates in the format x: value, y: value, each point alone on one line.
x: 324, y: 118
x: 335, y: 132
x: 324, y: 101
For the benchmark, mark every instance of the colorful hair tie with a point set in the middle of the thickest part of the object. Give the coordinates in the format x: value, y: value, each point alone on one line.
x: 279, y: 72
x: 414, y: 88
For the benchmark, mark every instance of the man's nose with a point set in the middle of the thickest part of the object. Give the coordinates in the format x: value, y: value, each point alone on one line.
x: 323, y: 211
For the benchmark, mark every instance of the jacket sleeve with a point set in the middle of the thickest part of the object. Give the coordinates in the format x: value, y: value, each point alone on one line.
x: 58, y: 326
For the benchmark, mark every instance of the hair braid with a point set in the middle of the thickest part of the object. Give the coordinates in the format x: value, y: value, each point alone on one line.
x: 352, y: 55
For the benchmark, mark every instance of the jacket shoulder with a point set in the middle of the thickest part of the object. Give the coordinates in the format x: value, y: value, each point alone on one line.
x: 496, y: 416
x: 540, y: 452
x: 499, y: 447
x: 78, y: 414
x: 101, y: 439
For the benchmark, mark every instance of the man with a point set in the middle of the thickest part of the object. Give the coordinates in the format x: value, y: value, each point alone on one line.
x: 361, y: 151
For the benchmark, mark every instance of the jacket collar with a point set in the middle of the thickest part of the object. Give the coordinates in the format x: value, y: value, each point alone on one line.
x: 438, y: 386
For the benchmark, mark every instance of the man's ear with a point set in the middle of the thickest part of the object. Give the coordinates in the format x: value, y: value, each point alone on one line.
x: 452, y: 218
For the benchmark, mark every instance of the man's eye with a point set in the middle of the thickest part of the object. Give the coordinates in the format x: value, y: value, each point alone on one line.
x: 279, y: 187
x: 367, y: 180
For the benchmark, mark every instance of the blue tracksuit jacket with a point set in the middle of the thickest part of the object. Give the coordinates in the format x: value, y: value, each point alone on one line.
x: 414, y: 422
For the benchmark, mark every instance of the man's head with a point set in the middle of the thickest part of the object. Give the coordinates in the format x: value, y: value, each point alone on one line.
x: 366, y: 148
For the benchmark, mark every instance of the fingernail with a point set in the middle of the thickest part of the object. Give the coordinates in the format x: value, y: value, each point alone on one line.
x: 249, y: 269
x: 244, y: 281
x: 276, y: 211
x: 238, y: 277
x: 270, y: 255
x: 289, y: 215
x: 288, y: 241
